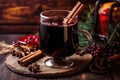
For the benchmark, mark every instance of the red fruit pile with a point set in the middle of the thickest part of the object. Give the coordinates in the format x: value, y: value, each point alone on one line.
x: 30, y: 40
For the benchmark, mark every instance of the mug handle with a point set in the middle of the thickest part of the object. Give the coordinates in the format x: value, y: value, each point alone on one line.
x: 88, y: 36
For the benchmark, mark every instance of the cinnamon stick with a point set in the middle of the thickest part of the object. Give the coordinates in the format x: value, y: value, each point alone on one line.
x: 76, y: 10
x: 24, y: 61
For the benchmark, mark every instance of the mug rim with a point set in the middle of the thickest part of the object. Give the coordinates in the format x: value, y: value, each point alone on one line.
x: 41, y: 14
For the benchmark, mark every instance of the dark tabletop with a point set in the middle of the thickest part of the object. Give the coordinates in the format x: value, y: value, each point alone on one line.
x: 6, y: 74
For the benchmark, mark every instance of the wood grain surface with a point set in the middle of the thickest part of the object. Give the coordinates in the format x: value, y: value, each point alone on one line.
x: 80, y: 64
x: 6, y: 74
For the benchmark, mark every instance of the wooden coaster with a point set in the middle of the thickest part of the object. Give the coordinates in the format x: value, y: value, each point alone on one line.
x: 80, y: 63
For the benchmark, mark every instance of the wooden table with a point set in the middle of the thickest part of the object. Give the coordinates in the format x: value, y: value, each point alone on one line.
x: 6, y: 74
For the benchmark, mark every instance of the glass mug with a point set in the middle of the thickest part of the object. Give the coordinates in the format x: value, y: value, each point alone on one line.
x: 59, y: 40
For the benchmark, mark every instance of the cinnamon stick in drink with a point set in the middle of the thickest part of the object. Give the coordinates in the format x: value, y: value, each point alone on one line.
x: 30, y: 58
x: 80, y: 8
x: 76, y: 10
x: 69, y: 18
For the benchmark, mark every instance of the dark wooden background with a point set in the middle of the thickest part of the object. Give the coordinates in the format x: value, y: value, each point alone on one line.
x: 27, y: 11
x: 22, y: 16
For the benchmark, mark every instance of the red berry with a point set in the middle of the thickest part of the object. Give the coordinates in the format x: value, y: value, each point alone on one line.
x: 29, y: 40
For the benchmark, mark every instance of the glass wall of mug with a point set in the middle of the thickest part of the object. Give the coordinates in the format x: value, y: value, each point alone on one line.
x: 57, y: 39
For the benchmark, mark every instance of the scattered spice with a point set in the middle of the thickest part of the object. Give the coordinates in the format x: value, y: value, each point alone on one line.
x: 34, y: 68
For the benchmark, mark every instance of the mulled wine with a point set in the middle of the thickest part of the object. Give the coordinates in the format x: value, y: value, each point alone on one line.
x: 57, y: 39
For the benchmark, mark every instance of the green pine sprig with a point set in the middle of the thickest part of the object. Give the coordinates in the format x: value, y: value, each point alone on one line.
x: 86, y: 24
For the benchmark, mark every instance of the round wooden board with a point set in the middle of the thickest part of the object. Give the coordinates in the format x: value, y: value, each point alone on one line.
x: 80, y: 63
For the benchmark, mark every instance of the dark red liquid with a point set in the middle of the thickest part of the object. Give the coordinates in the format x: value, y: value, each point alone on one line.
x: 52, y: 40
